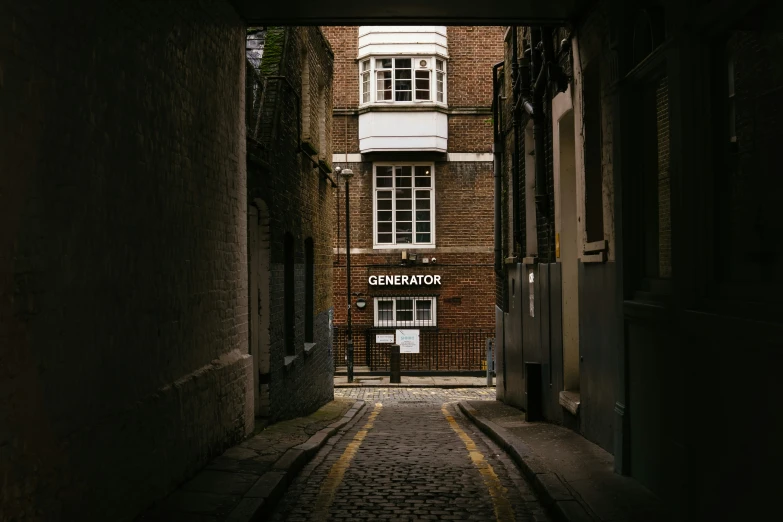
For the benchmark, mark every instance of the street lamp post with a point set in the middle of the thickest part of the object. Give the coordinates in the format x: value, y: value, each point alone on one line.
x: 347, y: 174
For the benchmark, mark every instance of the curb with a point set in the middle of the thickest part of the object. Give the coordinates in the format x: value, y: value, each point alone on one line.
x: 554, y: 494
x: 444, y: 386
x: 262, y: 497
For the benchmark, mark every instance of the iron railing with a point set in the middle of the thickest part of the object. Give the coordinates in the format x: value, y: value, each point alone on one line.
x: 440, y: 350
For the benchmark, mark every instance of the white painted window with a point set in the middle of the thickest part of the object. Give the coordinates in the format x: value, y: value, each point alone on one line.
x: 408, y: 311
x: 404, y: 205
x: 440, y: 77
x: 365, y: 81
x: 402, y: 80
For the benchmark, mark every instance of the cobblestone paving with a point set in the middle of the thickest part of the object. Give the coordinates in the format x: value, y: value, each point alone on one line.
x: 410, y: 456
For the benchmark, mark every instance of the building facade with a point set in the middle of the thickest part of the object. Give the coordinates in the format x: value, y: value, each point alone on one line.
x: 639, y: 296
x: 412, y: 120
x: 290, y: 203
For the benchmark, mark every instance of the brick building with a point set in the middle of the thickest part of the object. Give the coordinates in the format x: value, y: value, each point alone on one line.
x: 290, y: 205
x: 412, y: 120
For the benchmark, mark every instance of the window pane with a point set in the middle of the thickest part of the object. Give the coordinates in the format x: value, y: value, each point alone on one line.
x: 423, y: 194
x: 406, y: 216
x: 404, y: 182
x: 423, y: 238
x: 404, y: 310
x: 384, y: 238
x: 385, y: 311
x: 404, y: 239
x: 365, y: 65
x: 383, y: 63
x: 383, y: 182
x: 384, y: 85
x: 384, y: 204
x: 422, y: 215
x: 384, y: 216
x: 384, y: 227
x: 422, y: 182
x: 405, y: 227
x: 422, y: 85
x: 384, y: 194
x: 421, y: 204
x: 422, y: 226
x: 404, y: 193
x: 424, y: 310
x: 404, y: 171
x: 404, y: 204
x: 439, y: 65
x: 422, y: 170
x: 402, y: 63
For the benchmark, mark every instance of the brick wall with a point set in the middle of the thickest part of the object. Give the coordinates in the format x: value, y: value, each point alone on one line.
x: 123, y: 337
x: 345, y: 42
x: 471, y: 133
x: 473, y: 50
x: 300, y: 201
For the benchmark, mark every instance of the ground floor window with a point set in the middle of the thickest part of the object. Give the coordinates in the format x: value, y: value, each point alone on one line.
x: 405, y: 311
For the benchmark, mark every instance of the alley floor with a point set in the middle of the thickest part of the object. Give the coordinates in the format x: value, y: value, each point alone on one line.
x: 411, y: 455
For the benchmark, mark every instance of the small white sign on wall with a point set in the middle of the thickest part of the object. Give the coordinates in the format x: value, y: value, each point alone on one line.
x: 408, y: 341
x: 384, y: 338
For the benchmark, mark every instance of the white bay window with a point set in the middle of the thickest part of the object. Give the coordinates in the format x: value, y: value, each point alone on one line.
x: 410, y: 79
x: 404, y: 209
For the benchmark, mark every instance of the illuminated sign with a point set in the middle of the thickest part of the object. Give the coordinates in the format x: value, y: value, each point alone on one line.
x: 404, y: 280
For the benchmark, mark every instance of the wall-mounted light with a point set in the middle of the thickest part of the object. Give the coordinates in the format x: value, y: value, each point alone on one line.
x: 361, y: 304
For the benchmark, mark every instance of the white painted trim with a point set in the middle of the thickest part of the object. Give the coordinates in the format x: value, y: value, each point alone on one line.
x: 561, y: 104
x: 470, y: 156
x: 341, y: 158
x: 422, y: 250
x: 451, y: 156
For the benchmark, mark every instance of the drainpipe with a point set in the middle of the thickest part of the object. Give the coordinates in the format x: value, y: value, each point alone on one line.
x: 537, y: 76
x: 497, y: 150
x: 515, y: 84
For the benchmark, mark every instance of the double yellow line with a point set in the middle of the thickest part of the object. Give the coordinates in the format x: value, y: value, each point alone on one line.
x: 503, y: 510
x: 335, y: 477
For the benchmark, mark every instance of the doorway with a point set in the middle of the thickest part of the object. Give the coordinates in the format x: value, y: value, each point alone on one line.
x: 258, y: 253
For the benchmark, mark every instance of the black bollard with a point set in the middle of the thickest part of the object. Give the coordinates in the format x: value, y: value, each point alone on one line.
x: 394, y: 363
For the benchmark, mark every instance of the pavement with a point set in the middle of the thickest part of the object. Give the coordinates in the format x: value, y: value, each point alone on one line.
x: 246, y: 481
x: 573, y: 477
x: 382, y: 381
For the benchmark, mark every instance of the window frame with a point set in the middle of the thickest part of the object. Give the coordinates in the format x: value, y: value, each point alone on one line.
x: 431, y: 69
x: 396, y: 246
x: 415, y: 323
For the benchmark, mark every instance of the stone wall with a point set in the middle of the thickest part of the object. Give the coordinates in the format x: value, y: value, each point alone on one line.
x: 123, y: 318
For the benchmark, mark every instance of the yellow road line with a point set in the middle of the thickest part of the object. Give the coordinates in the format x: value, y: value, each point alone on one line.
x: 503, y: 510
x: 335, y: 477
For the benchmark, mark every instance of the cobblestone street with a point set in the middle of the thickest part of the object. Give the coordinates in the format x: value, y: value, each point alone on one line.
x: 411, y: 455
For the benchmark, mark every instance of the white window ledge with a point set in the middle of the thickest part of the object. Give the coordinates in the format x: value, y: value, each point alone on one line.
x: 308, y: 348
x: 570, y: 400
x: 288, y: 361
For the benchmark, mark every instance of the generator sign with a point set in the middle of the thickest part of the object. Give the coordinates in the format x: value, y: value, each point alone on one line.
x: 404, y: 280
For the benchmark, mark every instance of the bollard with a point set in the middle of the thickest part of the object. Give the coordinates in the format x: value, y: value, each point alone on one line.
x: 394, y: 364
x: 490, y: 366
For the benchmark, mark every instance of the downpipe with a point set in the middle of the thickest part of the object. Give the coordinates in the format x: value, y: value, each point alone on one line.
x: 497, y: 151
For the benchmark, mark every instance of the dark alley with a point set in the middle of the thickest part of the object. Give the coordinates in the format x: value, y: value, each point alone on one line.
x: 434, y: 260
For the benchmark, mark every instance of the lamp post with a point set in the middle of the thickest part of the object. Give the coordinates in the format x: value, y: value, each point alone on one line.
x: 347, y: 174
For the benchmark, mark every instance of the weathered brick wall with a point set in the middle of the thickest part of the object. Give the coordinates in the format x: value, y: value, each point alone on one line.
x: 123, y: 337
x: 471, y: 133
x: 300, y: 201
x: 473, y: 50
x: 345, y: 42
